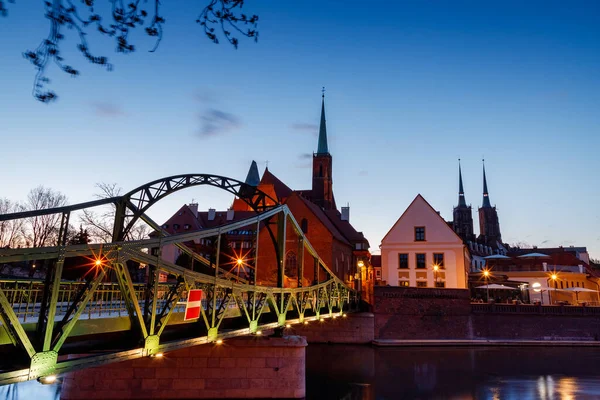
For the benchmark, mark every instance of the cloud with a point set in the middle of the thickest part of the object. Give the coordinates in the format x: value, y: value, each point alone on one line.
x: 305, y: 156
x: 304, y: 127
x: 205, y: 96
x: 215, y: 122
x: 545, y: 241
x: 106, y: 109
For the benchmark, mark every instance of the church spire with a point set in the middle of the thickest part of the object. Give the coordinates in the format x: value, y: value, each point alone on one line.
x: 252, y: 178
x: 486, y: 197
x: 461, y: 191
x: 322, y: 147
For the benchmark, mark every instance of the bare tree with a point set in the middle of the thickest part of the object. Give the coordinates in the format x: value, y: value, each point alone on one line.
x: 11, y: 232
x: 42, y: 230
x: 124, y: 16
x: 100, y: 224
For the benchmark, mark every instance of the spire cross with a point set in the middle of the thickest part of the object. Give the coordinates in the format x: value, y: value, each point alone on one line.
x: 267, y: 162
x: 323, y: 91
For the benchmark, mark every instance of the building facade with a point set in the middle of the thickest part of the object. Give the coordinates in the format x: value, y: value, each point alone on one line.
x: 422, y: 250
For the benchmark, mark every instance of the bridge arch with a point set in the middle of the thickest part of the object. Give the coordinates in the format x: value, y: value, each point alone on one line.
x: 132, y: 205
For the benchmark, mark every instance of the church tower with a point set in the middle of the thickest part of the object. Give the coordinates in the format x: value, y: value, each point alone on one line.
x: 462, y: 215
x: 489, y: 226
x: 322, y: 182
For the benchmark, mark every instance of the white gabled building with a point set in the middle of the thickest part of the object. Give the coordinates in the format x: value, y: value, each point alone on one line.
x: 422, y: 250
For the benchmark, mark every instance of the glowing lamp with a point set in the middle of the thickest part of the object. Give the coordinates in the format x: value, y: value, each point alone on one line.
x: 219, y: 341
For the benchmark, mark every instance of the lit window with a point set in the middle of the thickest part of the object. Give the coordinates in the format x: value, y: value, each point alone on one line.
x: 402, y: 261
x: 186, y: 226
x: 419, y: 233
x: 403, y: 283
x: 378, y: 274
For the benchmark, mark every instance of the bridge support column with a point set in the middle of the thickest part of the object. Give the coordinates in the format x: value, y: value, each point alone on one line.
x: 246, y: 367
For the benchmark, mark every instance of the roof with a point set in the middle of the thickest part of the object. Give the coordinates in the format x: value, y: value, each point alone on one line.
x: 282, y: 191
x: 345, y: 227
x: 432, y: 209
x: 320, y: 214
x: 221, y: 218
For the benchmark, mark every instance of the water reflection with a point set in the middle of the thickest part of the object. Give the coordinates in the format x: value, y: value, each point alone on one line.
x: 365, y: 373
x: 30, y: 390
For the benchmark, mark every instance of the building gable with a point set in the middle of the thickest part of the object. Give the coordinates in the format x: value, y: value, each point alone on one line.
x: 420, y: 214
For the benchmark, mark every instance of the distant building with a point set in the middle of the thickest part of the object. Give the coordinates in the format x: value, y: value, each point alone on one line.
x: 422, y: 250
x: 489, y: 241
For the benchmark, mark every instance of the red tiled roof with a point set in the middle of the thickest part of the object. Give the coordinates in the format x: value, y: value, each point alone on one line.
x: 344, y: 226
x: 320, y: 214
x: 281, y: 189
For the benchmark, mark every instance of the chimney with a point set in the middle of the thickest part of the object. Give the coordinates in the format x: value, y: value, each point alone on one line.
x: 194, y: 208
x: 346, y: 213
x: 211, y: 214
x: 545, y: 265
x: 230, y: 213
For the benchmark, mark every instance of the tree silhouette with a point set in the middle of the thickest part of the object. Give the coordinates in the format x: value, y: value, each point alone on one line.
x: 65, y: 15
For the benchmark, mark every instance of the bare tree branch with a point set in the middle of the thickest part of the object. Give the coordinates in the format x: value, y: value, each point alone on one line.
x: 123, y: 18
x: 11, y: 232
x: 42, y: 230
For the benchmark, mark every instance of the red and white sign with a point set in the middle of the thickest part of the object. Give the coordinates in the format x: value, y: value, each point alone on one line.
x: 194, y: 304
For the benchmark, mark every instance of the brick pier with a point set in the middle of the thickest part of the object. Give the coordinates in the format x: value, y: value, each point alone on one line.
x: 249, y: 367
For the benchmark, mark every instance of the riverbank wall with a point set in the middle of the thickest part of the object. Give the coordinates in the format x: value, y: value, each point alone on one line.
x: 447, y: 314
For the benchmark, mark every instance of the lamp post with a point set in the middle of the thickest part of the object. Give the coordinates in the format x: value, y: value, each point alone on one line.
x: 486, y: 275
x: 554, y: 277
x: 435, y: 270
x: 361, y: 266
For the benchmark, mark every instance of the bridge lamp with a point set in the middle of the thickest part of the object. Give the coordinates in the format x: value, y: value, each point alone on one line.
x: 344, y: 315
x: 361, y: 264
x: 288, y: 326
x: 219, y: 341
x: 98, y: 262
x: 47, y: 380
x: 554, y: 277
x: 157, y: 355
x: 258, y: 333
x: 305, y: 322
x: 240, y: 262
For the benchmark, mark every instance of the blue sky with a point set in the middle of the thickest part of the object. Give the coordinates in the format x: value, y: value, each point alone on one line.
x: 411, y: 87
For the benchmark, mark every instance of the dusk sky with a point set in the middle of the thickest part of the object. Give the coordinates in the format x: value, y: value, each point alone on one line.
x: 411, y: 86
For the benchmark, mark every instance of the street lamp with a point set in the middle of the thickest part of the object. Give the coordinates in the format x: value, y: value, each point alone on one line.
x: 435, y: 270
x: 554, y: 277
x: 486, y: 276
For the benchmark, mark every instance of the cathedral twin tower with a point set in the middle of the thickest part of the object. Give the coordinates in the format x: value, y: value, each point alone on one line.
x: 489, y: 226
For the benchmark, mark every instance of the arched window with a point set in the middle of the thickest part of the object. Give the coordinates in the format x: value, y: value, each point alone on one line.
x: 304, y: 225
x: 320, y: 170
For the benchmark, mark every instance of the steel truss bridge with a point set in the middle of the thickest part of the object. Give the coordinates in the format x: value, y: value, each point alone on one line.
x: 45, y: 325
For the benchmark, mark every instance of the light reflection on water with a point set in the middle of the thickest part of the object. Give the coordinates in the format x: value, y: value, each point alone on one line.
x: 452, y: 373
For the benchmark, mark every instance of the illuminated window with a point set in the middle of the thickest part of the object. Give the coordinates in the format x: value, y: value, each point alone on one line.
x: 378, y: 274
x: 420, y: 260
x: 186, y: 226
x: 403, y: 261
x: 421, y: 284
x: 419, y: 233
x: 403, y: 283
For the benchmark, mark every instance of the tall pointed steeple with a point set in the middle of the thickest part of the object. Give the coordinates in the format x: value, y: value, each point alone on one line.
x: 486, y: 198
x: 322, y: 147
x: 252, y: 178
x: 461, y: 192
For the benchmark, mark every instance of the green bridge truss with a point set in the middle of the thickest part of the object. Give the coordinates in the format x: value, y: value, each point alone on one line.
x: 45, y: 325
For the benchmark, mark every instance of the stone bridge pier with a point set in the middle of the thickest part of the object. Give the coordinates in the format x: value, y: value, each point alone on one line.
x: 245, y: 367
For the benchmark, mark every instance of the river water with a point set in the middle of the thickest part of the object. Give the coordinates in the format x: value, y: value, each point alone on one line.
x: 337, y: 372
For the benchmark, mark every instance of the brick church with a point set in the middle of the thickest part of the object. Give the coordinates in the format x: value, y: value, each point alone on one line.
x: 342, y: 248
